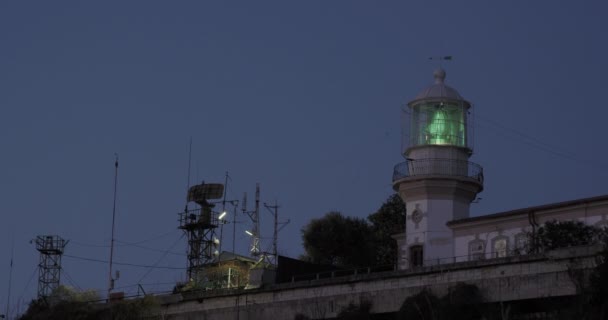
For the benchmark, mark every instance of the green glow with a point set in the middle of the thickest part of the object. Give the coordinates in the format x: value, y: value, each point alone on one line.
x: 439, y: 124
x: 440, y: 128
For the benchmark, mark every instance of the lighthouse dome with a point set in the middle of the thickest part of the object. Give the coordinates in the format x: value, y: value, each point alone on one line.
x: 439, y: 90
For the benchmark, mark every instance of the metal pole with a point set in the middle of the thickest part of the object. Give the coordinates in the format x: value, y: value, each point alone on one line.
x: 276, y: 231
x: 234, y: 232
x: 10, y: 278
x: 111, y: 280
x: 223, y: 210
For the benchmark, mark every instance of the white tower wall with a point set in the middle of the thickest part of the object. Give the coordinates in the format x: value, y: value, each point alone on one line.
x: 437, y: 182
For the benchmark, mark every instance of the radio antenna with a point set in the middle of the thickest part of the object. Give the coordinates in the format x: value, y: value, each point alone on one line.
x: 189, y: 167
x: 111, y: 279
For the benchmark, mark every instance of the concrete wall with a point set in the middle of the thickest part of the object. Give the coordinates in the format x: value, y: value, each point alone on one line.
x: 513, y: 278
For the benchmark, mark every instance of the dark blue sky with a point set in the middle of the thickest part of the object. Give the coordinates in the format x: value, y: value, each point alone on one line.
x: 303, y: 97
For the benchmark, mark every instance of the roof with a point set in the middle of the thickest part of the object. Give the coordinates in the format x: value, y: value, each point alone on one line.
x: 439, y: 90
x: 524, y: 211
x: 228, y: 256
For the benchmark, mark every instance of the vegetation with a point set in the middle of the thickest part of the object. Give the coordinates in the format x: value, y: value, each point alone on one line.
x: 339, y: 240
x: 353, y: 242
x: 387, y: 221
x: 560, y: 234
x: 68, y: 303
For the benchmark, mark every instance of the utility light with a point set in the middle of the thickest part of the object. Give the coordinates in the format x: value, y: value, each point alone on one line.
x: 249, y: 232
x: 216, y: 241
x: 222, y: 215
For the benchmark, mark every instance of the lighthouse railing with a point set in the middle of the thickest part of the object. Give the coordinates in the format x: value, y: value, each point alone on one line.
x: 438, y: 167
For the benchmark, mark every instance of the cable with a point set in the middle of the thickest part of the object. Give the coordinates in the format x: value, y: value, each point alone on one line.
x: 25, y: 289
x: 122, y: 263
x: 145, y: 284
x: 538, y: 144
x: 125, y: 243
x: 161, y: 258
x: 74, y: 284
x: 153, y: 249
x: 525, y: 136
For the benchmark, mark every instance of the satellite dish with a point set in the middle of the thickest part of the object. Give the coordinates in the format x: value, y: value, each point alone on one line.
x: 202, y: 192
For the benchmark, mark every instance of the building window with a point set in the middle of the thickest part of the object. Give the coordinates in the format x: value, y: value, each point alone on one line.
x: 500, y: 247
x: 521, y: 243
x: 416, y: 256
x: 477, y: 250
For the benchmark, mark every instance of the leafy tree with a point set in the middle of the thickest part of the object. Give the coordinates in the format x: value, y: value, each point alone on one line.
x: 388, y: 220
x: 338, y: 240
x: 599, y: 280
x: 560, y: 234
x: 67, y: 303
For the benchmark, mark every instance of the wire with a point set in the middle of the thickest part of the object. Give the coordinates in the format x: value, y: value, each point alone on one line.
x: 122, y: 263
x: 124, y: 243
x: 161, y: 258
x: 525, y: 136
x: 145, y: 284
x: 27, y: 285
x: 537, y: 143
x: 153, y: 249
x: 74, y: 284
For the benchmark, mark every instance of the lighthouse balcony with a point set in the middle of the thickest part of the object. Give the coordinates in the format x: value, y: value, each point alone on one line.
x: 440, y: 168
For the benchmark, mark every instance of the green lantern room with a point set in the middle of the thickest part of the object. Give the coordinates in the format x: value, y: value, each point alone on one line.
x: 439, y: 116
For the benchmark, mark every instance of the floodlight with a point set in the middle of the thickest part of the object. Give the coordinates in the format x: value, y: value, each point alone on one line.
x: 216, y: 253
x: 222, y: 215
x: 249, y: 232
x: 216, y: 241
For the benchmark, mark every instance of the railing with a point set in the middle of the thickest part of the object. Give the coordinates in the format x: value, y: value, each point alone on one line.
x: 428, y: 265
x: 438, y: 167
x: 198, y: 218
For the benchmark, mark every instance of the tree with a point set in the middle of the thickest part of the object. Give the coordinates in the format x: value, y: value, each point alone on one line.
x: 352, y: 242
x: 387, y: 221
x: 560, y: 234
x: 338, y: 240
x: 68, y: 303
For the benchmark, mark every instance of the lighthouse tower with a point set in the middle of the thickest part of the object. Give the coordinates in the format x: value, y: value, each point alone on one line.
x: 437, y: 181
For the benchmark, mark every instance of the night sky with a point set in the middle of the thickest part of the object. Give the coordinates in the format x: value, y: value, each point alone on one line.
x: 303, y: 97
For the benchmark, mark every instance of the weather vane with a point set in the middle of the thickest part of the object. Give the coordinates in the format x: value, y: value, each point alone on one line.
x: 441, y: 59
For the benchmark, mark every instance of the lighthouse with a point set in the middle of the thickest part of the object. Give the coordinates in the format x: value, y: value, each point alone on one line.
x: 436, y: 181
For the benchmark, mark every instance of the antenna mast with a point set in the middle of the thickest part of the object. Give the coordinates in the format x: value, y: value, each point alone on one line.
x: 274, y: 210
x: 10, y: 276
x: 111, y: 279
x: 221, y: 219
x: 199, y: 226
x: 255, y: 218
x: 189, y: 167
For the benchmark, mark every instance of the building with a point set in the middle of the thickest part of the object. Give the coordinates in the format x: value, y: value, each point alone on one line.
x: 438, y: 183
